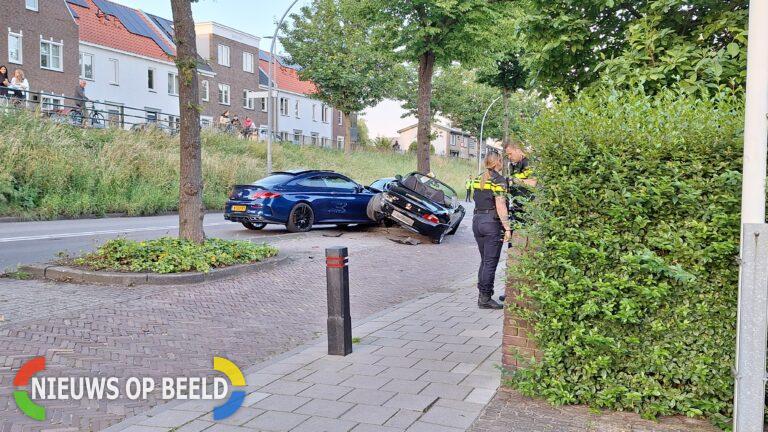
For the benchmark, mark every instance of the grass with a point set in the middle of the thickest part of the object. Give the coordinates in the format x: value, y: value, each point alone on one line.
x: 49, y: 170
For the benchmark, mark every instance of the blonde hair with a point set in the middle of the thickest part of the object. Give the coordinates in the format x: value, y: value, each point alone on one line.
x: 491, y: 159
x: 20, y: 72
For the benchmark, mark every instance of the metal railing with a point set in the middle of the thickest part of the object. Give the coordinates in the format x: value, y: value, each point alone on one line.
x: 89, y: 113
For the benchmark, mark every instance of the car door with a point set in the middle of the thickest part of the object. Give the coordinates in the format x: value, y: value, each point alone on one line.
x: 313, y: 190
x: 349, y: 200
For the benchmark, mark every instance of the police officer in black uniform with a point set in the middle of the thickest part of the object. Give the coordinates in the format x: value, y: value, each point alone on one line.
x: 490, y: 226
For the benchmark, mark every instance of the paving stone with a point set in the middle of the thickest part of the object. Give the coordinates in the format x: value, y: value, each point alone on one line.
x: 285, y: 387
x: 449, y: 417
x: 419, y: 345
x: 466, y: 357
x: 199, y: 406
x: 403, y: 362
x: 405, y: 386
x: 364, y: 358
x: 451, y: 339
x: 138, y: 428
x: 460, y: 405
x: 429, y: 354
x: 326, y: 377
x: 299, y: 374
x: 254, y: 397
x: 482, y: 381
x: 421, y: 426
x: 171, y: 418
x: 442, y: 377
x: 366, y: 382
x: 195, y: 426
x: 325, y: 391
x: 276, y: 421
x: 466, y: 368
x: 220, y: 427
x: 321, y: 424
x: 364, y: 369
x: 281, y: 403
x: 412, y: 402
x: 452, y: 348
x: 402, y: 373
x: 403, y: 419
x: 388, y: 334
x: 436, y: 365
x: 241, y: 416
x: 324, y: 408
x: 389, y: 342
x: 446, y: 331
x: 369, y: 414
x: 329, y: 364
x: 448, y: 391
x: 367, y: 396
x: 425, y: 337
x: 480, y: 395
x: 362, y: 427
x: 395, y: 351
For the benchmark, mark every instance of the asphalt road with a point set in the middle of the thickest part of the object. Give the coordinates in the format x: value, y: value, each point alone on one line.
x: 36, y: 242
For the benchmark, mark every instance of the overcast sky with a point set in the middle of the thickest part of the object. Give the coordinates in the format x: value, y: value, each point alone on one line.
x: 258, y: 17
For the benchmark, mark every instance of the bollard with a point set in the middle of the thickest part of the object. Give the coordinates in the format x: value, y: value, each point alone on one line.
x: 339, y: 317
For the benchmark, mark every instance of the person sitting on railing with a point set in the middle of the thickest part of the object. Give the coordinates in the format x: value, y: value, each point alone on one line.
x: 19, y: 84
x: 4, y: 81
x: 80, y: 99
x: 224, y: 120
x: 247, y: 127
x: 236, y: 124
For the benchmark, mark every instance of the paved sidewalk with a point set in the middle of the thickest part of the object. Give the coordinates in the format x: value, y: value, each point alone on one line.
x: 429, y: 365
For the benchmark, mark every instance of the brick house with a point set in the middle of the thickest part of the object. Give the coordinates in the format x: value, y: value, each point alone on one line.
x: 233, y: 57
x: 41, y: 38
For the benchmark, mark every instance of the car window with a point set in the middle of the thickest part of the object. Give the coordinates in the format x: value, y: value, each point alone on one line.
x: 340, y: 183
x: 312, y: 182
x: 273, y: 180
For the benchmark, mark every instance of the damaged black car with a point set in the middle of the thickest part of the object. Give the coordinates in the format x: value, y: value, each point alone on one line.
x: 418, y: 203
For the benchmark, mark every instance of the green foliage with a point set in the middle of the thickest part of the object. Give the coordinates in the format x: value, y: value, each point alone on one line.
x: 173, y: 255
x: 382, y: 143
x: 363, y: 138
x: 49, y: 170
x: 646, y: 43
x: 414, y: 145
x: 635, y: 279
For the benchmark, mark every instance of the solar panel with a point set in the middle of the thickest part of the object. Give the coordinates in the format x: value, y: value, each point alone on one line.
x: 263, y: 80
x: 79, y: 3
x: 132, y: 22
x: 164, y: 24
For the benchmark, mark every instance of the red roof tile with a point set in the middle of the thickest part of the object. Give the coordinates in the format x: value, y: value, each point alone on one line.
x: 106, y: 30
x: 288, y: 79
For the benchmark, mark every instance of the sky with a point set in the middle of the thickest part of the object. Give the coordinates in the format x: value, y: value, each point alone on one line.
x: 258, y: 17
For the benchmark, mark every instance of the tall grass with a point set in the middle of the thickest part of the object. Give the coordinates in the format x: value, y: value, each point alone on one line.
x: 49, y: 170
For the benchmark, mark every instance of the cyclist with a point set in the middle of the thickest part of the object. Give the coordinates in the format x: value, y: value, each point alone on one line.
x: 80, y: 99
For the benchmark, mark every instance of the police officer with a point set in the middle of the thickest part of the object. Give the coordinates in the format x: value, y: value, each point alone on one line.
x: 490, y: 226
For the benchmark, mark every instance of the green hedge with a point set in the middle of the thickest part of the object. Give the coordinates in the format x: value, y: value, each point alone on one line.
x: 635, y: 279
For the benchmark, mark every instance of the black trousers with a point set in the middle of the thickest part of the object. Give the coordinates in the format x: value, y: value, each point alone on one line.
x: 488, y: 233
x: 469, y: 193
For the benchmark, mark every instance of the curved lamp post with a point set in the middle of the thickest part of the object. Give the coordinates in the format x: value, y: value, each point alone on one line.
x: 480, y: 142
x: 271, y: 77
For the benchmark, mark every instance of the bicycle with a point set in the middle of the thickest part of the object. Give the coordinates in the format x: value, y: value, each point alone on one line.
x: 95, y: 117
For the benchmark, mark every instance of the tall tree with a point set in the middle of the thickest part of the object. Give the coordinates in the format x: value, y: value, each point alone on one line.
x: 331, y: 43
x: 433, y: 32
x: 191, y: 170
x: 507, y: 75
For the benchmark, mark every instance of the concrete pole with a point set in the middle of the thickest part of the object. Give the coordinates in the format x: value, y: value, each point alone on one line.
x: 271, y: 78
x: 339, y: 315
x: 480, y: 142
x: 749, y: 395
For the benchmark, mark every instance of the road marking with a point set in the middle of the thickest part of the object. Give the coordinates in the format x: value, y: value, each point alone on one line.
x: 95, y: 233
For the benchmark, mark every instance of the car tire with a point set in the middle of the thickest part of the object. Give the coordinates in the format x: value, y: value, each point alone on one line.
x: 254, y: 226
x: 373, y: 211
x: 301, y: 218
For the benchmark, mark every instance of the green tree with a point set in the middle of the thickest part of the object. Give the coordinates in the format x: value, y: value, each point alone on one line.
x: 508, y: 75
x: 331, y: 43
x: 647, y: 43
x: 433, y: 32
x: 363, y: 136
x: 191, y: 210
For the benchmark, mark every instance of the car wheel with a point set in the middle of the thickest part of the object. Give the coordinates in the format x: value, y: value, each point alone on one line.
x: 373, y: 211
x: 254, y: 226
x: 301, y: 218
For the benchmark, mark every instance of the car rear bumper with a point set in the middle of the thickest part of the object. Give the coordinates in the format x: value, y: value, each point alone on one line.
x: 252, y: 213
x: 413, y: 222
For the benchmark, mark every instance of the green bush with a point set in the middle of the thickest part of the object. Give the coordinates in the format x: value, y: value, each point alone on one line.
x: 173, y: 255
x: 635, y: 279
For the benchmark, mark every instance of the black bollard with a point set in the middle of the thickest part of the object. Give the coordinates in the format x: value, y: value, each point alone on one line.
x: 339, y: 317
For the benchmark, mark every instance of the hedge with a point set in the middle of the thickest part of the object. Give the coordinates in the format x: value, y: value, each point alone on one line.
x: 635, y: 280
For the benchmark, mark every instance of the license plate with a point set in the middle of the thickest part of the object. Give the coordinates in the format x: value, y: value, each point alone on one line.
x: 402, y: 218
x: 238, y: 208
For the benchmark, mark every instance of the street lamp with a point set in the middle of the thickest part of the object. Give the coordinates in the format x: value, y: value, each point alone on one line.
x: 271, y: 78
x: 482, y: 123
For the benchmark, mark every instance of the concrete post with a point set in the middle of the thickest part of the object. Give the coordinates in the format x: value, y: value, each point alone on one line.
x: 339, y: 316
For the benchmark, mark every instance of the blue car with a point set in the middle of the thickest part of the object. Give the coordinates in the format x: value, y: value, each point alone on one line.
x: 299, y: 199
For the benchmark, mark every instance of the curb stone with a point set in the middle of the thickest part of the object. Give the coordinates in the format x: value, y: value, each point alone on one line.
x: 69, y: 274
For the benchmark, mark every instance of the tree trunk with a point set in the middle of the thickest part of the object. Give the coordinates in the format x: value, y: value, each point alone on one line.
x: 505, y: 132
x: 191, y: 168
x: 347, y: 133
x: 426, y: 68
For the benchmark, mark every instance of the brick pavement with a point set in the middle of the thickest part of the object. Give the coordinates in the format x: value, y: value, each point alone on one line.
x: 175, y: 331
x: 429, y: 365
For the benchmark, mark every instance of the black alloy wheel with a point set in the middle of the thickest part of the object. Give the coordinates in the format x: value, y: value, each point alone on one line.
x: 301, y: 218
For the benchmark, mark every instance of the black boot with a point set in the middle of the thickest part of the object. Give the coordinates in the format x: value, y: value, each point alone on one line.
x: 502, y: 298
x: 484, y: 301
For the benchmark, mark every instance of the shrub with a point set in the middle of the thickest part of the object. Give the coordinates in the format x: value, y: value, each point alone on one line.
x: 173, y: 255
x: 635, y: 280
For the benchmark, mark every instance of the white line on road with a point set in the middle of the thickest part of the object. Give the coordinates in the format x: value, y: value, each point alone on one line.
x: 95, y: 233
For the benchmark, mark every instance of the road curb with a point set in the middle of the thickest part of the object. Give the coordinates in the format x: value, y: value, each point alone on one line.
x: 73, y: 275
x: 11, y: 219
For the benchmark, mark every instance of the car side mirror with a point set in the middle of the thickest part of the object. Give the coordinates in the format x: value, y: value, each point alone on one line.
x: 359, y: 188
x: 398, y: 177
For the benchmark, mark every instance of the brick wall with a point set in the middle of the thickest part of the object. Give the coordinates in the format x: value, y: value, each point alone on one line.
x: 517, y: 332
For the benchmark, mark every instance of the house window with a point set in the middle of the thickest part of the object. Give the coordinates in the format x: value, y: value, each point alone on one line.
x: 50, y: 55
x: 52, y: 103
x: 115, y: 67
x: 151, y: 116
x: 248, y: 102
x: 173, y: 84
x: 32, y: 5
x: 173, y: 122
x: 324, y: 113
x: 206, y: 122
x: 206, y: 90
x: 248, y: 62
x: 224, y: 94
x: 341, y: 118
x: 14, y: 47
x: 454, y: 138
x: 151, y: 79
x: 314, y: 112
x: 296, y: 109
x: 86, y: 66
x: 314, y: 137
x: 115, y: 116
x: 284, y: 106
x: 223, y: 55
x: 340, y: 142
x: 297, y: 137
x: 264, y: 104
